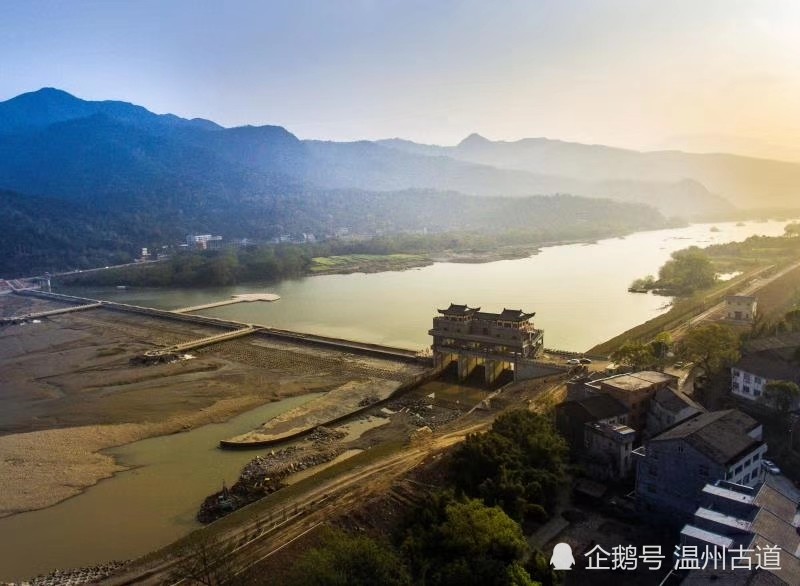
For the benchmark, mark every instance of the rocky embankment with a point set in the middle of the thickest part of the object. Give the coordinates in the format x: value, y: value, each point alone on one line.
x: 266, y: 473
x: 89, y: 575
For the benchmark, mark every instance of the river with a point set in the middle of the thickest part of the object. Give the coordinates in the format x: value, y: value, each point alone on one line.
x: 136, y: 511
x: 578, y: 291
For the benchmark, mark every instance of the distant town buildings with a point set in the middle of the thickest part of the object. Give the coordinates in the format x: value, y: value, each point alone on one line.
x: 740, y: 308
x: 204, y: 242
x: 673, y: 467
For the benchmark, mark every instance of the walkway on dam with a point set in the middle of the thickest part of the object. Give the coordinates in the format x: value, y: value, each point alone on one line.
x: 243, y: 298
x: 39, y: 314
x: 191, y: 345
x: 235, y: 328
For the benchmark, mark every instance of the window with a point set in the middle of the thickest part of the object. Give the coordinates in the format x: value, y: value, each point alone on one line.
x: 756, y: 393
x: 747, y: 377
x: 758, y: 380
x: 747, y: 389
x: 738, y: 469
x: 735, y: 386
x: 757, y: 457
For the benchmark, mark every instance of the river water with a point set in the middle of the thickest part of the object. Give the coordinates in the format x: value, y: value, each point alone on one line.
x: 578, y: 291
x: 136, y: 511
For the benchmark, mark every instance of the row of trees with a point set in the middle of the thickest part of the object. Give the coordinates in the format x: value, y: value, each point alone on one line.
x: 211, y: 267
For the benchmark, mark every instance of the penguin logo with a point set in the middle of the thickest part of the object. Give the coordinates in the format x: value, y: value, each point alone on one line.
x: 562, y: 557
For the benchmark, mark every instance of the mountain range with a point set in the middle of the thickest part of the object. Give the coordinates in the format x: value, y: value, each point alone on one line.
x: 143, y: 176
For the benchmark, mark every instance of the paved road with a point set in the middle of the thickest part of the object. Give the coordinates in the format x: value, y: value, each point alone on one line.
x: 750, y: 289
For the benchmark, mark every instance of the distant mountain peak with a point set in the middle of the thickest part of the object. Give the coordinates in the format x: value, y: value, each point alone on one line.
x: 38, y: 109
x: 474, y: 139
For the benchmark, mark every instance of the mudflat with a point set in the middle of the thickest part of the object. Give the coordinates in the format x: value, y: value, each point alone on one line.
x: 68, y: 391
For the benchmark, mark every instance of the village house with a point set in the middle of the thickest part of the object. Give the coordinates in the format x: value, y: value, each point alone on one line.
x: 673, y: 467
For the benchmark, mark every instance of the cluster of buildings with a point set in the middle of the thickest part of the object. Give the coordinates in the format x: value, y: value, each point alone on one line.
x: 699, y: 470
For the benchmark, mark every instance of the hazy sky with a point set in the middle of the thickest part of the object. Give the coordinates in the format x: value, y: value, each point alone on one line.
x: 638, y: 73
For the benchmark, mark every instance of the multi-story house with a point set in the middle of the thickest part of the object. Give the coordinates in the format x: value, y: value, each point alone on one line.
x: 673, y: 467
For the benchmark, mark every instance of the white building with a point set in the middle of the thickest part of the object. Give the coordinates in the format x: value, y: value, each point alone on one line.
x: 753, y: 372
x: 740, y: 307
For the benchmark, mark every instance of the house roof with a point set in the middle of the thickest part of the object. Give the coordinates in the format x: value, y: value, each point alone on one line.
x: 505, y: 315
x: 770, y: 365
x: 787, y: 340
x: 743, y: 298
x: 722, y: 436
x: 675, y: 401
x: 456, y: 309
x: 593, y: 408
x: 636, y: 381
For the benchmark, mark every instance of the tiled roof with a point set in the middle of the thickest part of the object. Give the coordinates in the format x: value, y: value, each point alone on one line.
x: 719, y: 435
x: 769, y: 365
x: 455, y: 309
x: 593, y: 408
x: 675, y: 401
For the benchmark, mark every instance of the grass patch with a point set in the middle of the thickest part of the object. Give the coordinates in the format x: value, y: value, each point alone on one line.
x: 368, y: 263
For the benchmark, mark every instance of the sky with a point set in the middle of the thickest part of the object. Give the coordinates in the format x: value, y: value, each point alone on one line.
x: 694, y: 74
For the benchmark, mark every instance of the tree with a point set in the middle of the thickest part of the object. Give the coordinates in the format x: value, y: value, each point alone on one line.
x: 635, y: 355
x: 782, y: 395
x: 712, y: 346
x: 349, y: 560
x: 792, y: 229
x: 661, y: 347
x: 464, y: 542
x: 687, y: 271
x: 517, y: 465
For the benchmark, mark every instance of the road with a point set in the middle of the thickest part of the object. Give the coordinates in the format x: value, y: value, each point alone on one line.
x: 753, y: 287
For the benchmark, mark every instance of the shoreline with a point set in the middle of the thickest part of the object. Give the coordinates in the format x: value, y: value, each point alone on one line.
x: 91, y: 462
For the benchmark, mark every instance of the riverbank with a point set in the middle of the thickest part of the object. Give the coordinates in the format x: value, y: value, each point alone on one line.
x: 68, y: 391
x: 42, y: 468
